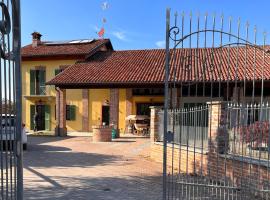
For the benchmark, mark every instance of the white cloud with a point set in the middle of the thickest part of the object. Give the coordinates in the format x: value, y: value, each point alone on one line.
x: 121, y: 35
x: 160, y: 44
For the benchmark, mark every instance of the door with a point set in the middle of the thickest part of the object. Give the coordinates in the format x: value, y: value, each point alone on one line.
x: 47, y: 117
x: 40, y: 109
x: 32, y: 116
x: 106, y: 115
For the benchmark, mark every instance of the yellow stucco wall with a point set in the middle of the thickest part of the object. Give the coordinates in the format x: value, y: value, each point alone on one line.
x: 122, y: 110
x: 50, y: 73
x: 97, y: 98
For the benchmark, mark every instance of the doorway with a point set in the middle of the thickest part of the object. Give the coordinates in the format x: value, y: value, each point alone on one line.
x: 40, y: 109
x: 43, y: 117
x: 105, y: 115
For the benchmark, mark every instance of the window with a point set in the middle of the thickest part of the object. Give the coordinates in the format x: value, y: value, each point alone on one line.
x: 37, y: 82
x: 71, y: 112
x: 144, y: 108
x: 148, y: 91
x: 58, y: 71
x: 202, y: 90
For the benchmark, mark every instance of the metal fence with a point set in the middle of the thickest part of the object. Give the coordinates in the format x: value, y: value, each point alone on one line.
x: 210, y: 159
x: 248, y: 130
x: 11, y: 181
x: 186, y: 126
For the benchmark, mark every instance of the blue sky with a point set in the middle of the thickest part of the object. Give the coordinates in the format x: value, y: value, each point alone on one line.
x: 131, y: 24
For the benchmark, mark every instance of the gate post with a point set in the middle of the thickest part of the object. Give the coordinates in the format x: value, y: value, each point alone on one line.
x: 217, y: 130
x: 218, y: 139
x: 154, y: 123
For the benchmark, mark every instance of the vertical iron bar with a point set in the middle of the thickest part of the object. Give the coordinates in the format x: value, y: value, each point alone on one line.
x: 167, y: 69
x: 16, y: 16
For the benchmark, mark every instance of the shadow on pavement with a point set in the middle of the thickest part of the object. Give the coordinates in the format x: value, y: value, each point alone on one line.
x: 103, y: 188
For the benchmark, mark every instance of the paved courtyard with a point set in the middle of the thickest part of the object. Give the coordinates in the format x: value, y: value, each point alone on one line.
x: 74, y: 168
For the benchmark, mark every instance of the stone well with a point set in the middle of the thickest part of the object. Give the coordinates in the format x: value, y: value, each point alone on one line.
x: 102, y: 133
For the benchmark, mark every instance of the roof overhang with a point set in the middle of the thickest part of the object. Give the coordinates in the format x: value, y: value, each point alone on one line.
x: 103, y: 85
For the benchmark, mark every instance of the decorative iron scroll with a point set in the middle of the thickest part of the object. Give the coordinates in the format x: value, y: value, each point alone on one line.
x: 5, y: 27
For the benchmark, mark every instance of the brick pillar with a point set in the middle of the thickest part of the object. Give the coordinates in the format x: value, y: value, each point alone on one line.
x: 128, y: 102
x: 114, y: 107
x: 85, y: 110
x: 154, y: 123
x: 61, y: 129
x: 217, y: 130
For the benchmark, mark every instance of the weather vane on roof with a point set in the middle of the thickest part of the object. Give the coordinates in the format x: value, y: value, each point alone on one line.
x: 104, y: 6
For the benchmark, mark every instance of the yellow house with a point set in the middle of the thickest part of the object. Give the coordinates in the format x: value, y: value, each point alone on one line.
x: 51, y: 103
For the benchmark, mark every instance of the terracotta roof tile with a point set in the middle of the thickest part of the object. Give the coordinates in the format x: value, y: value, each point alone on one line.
x: 147, y: 67
x: 46, y: 49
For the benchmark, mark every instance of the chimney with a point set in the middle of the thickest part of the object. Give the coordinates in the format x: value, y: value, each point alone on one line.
x: 36, y: 36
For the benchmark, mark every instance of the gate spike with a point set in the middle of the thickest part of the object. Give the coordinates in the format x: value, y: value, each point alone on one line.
x: 247, y: 24
x: 183, y: 14
x: 255, y: 29
x: 239, y: 21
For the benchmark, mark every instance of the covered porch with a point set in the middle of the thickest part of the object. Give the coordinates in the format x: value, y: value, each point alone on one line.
x: 112, y: 107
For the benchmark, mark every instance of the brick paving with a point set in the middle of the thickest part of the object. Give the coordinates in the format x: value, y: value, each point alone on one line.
x: 74, y: 168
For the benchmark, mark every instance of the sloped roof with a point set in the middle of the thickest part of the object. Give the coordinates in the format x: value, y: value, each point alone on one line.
x: 134, y: 67
x: 63, y: 48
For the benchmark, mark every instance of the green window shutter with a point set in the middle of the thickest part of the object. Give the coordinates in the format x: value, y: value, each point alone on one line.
x: 47, y: 117
x: 57, y: 71
x: 72, y: 113
x: 32, y: 82
x: 67, y: 112
x: 32, y: 114
x: 42, y: 79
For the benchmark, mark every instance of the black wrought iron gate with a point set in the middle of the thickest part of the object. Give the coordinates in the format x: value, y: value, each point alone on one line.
x: 216, y: 113
x: 11, y: 182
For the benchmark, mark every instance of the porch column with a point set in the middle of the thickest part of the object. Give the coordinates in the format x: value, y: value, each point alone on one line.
x: 128, y: 102
x: 85, y: 110
x: 154, y: 123
x: 238, y: 93
x: 174, y: 95
x: 114, y: 107
x: 61, y: 129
